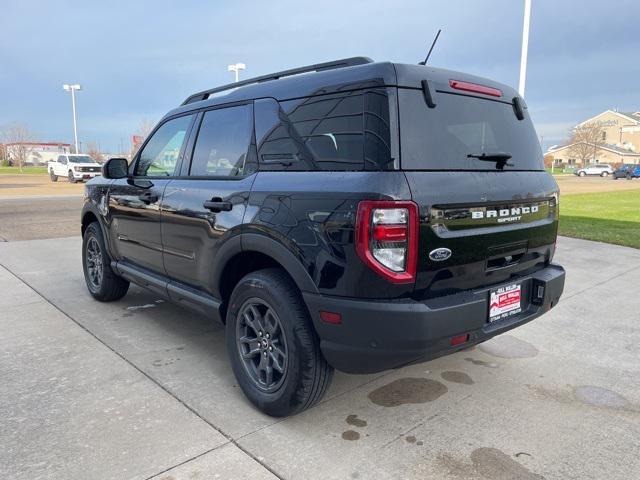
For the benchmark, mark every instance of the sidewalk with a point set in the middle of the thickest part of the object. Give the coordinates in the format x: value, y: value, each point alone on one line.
x: 73, y: 408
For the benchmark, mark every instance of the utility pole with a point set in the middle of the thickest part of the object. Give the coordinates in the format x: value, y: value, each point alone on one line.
x: 72, y: 88
x: 525, y: 47
x: 236, y: 67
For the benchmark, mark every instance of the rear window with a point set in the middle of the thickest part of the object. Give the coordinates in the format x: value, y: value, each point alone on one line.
x: 442, y: 138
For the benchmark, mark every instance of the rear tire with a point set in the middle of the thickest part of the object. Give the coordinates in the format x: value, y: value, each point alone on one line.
x: 268, y: 327
x: 102, y: 282
x: 581, y: 174
x: 53, y: 176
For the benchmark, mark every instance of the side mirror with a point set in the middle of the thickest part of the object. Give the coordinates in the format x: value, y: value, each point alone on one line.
x: 115, y: 168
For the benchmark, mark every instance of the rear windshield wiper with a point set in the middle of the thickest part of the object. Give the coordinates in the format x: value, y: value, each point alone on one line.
x: 501, y: 158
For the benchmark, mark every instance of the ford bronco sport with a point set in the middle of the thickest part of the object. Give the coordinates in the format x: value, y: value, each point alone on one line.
x: 362, y: 216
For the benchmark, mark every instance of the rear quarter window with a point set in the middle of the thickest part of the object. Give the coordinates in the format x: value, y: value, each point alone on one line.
x: 349, y: 131
x: 441, y: 138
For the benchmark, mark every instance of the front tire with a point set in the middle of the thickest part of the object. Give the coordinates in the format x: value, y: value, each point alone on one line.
x: 53, y: 176
x: 71, y: 177
x: 604, y: 174
x: 102, y: 282
x: 581, y: 174
x: 273, y: 347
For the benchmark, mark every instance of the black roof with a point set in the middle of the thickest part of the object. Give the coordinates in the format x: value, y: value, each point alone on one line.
x: 359, y: 73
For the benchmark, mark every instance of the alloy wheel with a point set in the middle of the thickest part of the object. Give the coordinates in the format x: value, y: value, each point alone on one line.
x: 262, y: 345
x: 94, y: 264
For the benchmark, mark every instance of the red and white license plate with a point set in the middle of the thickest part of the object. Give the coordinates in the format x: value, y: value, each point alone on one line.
x: 505, y: 301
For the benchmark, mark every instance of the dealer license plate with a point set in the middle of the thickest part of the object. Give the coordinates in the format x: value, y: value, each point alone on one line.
x: 505, y: 301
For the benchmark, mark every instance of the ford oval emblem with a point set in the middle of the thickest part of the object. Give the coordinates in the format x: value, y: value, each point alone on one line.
x: 440, y: 254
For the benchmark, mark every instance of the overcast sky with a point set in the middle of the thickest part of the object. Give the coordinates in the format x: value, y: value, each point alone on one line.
x: 138, y: 59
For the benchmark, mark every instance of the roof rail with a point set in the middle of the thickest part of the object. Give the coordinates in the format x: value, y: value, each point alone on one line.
x: 345, y: 62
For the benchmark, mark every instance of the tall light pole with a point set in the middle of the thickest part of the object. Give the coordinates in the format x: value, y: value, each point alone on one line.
x: 236, y: 67
x: 72, y: 88
x: 525, y: 46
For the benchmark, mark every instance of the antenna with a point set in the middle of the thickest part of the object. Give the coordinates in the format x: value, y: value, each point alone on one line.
x: 431, y: 49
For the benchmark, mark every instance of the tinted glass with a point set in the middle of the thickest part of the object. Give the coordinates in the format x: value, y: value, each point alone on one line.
x: 347, y: 131
x: 81, y: 159
x: 160, y: 155
x: 441, y: 138
x: 223, y: 141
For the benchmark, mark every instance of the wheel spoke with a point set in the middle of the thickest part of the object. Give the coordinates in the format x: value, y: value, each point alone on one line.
x: 271, y: 323
x: 264, y: 363
x: 257, y: 317
x: 249, y: 340
x: 276, y: 363
x: 251, y: 353
x: 268, y: 375
x: 250, y: 323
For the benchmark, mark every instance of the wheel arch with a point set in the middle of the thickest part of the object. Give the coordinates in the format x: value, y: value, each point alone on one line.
x: 252, y: 252
x: 88, y: 217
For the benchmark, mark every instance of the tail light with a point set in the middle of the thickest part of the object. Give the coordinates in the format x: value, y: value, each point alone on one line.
x: 387, y: 238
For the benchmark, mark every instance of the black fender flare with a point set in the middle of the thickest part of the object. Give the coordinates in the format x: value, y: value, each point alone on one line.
x: 90, y: 207
x: 282, y: 255
x: 253, y: 242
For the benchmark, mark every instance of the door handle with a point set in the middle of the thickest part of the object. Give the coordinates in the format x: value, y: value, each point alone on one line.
x: 217, y: 205
x: 148, y: 197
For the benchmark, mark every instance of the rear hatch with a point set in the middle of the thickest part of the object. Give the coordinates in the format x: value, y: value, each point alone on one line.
x: 488, y: 210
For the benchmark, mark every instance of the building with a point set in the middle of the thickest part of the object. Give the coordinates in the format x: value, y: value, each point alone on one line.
x: 618, y: 140
x: 35, y: 153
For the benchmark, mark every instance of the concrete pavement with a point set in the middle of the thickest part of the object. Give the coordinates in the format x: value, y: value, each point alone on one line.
x: 141, y: 388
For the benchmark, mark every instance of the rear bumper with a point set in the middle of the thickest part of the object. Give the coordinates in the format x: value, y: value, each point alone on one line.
x: 376, y: 336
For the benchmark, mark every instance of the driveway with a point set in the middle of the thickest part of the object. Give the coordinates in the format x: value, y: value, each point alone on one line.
x: 142, y: 389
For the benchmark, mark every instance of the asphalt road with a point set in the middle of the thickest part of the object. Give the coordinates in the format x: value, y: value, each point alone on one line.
x: 140, y: 388
x: 39, y: 217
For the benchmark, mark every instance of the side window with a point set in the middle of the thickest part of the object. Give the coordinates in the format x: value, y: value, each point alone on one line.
x: 62, y: 159
x: 346, y: 131
x: 223, y: 142
x: 160, y: 155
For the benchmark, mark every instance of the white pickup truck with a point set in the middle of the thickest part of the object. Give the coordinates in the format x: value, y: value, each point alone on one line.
x: 74, y: 167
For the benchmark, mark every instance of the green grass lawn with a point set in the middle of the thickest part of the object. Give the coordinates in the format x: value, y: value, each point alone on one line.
x: 557, y: 171
x: 25, y: 170
x: 611, y: 217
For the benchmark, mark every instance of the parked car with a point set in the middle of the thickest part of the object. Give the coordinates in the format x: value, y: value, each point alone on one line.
x: 627, y: 171
x: 362, y: 217
x: 74, y: 167
x: 599, y: 169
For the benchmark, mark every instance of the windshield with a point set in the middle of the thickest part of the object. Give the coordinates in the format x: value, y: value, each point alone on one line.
x: 465, y: 133
x: 81, y: 159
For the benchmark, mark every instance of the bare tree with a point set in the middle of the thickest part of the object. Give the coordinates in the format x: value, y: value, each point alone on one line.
x: 585, y: 141
x: 17, y: 138
x: 94, y: 152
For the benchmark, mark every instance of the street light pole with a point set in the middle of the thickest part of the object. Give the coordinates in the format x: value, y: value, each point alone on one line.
x: 236, y: 67
x: 72, y: 88
x: 525, y: 47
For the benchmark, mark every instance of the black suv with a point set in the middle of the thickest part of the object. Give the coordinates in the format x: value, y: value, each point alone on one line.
x: 351, y: 215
